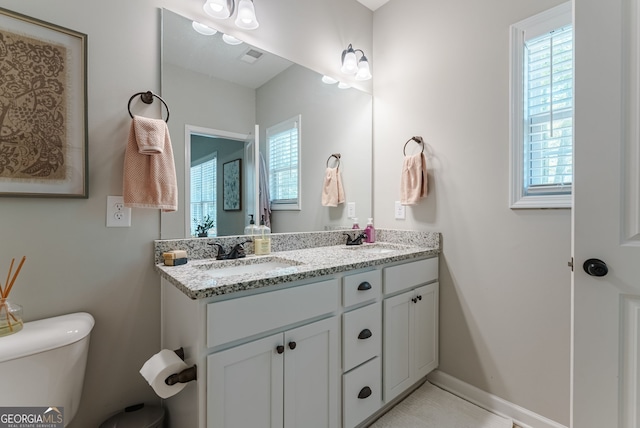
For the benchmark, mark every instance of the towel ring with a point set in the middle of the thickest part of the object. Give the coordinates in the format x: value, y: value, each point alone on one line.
x: 417, y: 139
x: 334, y: 155
x: 147, y: 98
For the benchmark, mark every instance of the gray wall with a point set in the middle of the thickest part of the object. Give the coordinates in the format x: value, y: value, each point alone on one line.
x: 74, y: 263
x: 333, y: 121
x: 442, y: 73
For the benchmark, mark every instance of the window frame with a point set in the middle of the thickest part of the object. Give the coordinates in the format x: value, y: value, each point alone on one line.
x: 294, y: 205
x: 213, y: 159
x: 520, y: 32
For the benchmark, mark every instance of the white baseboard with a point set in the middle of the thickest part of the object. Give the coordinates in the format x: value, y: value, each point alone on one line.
x: 520, y: 416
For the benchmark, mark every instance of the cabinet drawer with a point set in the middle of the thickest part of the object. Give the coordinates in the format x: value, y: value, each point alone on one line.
x: 401, y: 277
x: 361, y: 287
x: 235, y: 319
x: 361, y: 392
x: 361, y: 335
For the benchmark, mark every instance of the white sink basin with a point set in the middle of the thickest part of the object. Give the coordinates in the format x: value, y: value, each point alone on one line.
x: 248, y: 266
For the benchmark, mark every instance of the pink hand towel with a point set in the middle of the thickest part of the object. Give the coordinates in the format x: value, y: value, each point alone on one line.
x: 149, y: 169
x: 332, y: 191
x: 413, y: 183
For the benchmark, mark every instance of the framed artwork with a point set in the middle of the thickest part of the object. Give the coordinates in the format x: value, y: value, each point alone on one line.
x: 43, y: 109
x: 232, y: 185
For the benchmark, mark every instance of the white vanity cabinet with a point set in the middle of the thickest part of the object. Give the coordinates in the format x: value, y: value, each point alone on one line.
x: 288, y: 379
x: 269, y: 359
x: 328, y: 352
x: 410, y: 324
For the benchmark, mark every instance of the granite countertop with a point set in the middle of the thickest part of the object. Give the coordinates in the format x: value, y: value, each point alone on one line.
x: 198, y: 278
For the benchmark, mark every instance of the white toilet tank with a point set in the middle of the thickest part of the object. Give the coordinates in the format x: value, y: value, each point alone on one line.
x: 43, y: 365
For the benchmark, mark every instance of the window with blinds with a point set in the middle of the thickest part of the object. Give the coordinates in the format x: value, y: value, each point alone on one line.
x: 541, y: 110
x: 548, y: 111
x: 203, y: 193
x: 283, y: 153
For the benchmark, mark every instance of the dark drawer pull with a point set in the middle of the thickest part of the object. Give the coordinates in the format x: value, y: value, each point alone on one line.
x: 364, y: 286
x: 292, y: 345
x: 365, y: 334
x: 364, y: 393
x: 279, y: 349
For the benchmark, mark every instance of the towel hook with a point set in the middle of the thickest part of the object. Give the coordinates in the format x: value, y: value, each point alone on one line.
x: 417, y: 139
x: 334, y: 155
x: 147, y: 98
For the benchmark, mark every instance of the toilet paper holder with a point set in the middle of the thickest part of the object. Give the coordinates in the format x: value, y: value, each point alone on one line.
x: 186, y: 375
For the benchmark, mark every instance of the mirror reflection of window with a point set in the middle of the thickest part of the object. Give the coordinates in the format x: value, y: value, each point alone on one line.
x: 203, y: 192
x: 283, y: 153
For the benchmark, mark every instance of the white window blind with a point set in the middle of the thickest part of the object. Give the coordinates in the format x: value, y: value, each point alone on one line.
x: 283, y: 146
x: 548, y: 111
x: 541, y: 110
x: 203, y: 193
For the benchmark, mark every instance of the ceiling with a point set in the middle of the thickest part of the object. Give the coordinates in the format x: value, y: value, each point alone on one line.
x: 373, y: 4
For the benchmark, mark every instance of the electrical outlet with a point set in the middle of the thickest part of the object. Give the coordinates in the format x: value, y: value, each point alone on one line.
x: 117, y: 214
x: 351, y: 209
x: 399, y: 210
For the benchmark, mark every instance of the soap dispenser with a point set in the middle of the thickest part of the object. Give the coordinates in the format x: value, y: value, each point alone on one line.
x: 370, y: 231
x: 262, y: 241
x: 251, y: 229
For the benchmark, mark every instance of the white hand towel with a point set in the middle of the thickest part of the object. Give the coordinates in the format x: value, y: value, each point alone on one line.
x: 149, y: 171
x: 413, y: 183
x: 332, y: 191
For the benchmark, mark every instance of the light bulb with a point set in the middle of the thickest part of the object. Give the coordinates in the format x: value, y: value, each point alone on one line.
x: 203, y: 29
x: 349, y: 61
x: 230, y: 40
x: 363, y: 72
x: 246, y: 18
x: 329, y: 80
x: 217, y: 9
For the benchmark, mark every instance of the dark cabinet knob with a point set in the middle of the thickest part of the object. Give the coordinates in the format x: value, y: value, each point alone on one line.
x: 595, y: 267
x: 292, y: 345
x: 419, y: 297
x: 414, y: 300
x: 365, y: 334
x: 364, y: 393
x: 364, y: 286
x: 279, y: 349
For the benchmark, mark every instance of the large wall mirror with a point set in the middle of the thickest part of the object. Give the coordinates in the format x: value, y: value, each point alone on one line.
x: 224, y: 100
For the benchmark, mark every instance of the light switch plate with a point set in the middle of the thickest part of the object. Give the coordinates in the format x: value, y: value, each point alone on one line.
x: 351, y: 209
x: 399, y: 210
x: 117, y: 214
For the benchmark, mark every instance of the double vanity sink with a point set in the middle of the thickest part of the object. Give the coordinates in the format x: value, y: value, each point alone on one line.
x: 207, y: 277
x: 358, y: 322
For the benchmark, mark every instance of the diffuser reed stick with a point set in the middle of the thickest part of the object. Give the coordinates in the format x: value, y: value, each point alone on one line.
x: 4, y: 294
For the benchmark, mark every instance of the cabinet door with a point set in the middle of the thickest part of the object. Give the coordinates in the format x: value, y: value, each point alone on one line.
x: 312, y: 374
x: 244, y: 385
x: 425, y: 332
x: 398, y: 346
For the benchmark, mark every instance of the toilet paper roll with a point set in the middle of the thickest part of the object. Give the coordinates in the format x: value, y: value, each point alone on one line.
x: 159, y: 367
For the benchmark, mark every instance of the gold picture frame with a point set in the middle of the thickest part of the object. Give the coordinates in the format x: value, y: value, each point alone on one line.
x: 43, y: 109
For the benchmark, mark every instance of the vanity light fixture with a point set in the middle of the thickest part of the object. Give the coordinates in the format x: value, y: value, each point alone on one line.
x: 352, y: 65
x: 223, y: 9
x: 203, y: 29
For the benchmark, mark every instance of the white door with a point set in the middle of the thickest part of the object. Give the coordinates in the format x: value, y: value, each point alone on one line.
x: 425, y: 331
x: 398, y: 344
x: 606, y: 216
x: 312, y: 374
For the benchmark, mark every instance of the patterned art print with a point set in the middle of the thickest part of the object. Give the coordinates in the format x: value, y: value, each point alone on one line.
x: 38, y: 151
x: 232, y: 185
x: 32, y: 108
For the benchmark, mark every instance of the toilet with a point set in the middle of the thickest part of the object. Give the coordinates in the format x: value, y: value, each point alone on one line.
x: 43, y: 365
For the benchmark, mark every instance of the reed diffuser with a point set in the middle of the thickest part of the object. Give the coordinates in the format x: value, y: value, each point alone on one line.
x: 10, y: 313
